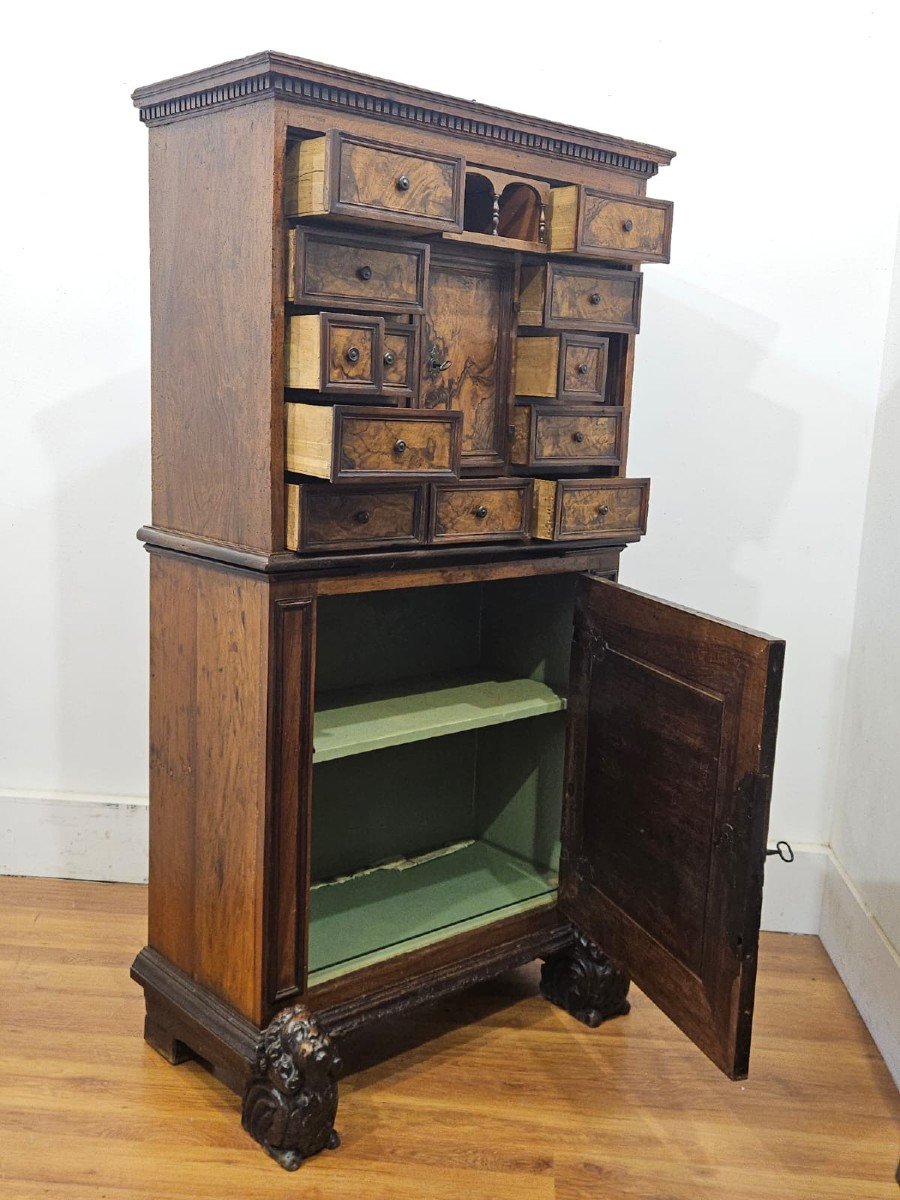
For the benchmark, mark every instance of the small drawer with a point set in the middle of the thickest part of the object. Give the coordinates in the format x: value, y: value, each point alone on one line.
x: 557, y: 295
x: 349, y: 271
x: 603, y: 225
x: 569, y: 509
x: 565, y: 437
x: 362, y: 180
x: 326, y: 518
x: 480, y: 510
x: 562, y: 366
x: 400, y: 359
x: 332, y: 353
x: 344, y: 444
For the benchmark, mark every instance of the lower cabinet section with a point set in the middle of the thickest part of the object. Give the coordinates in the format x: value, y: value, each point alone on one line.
x: 567, y: 509
x: 439, y: 743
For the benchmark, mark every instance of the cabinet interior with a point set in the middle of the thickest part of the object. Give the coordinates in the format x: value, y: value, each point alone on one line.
x: 439, y: 746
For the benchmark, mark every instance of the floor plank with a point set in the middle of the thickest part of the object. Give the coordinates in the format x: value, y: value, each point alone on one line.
x: 488, y: 1095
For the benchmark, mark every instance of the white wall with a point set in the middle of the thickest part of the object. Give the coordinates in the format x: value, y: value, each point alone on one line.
x: 861, y: 915
x: 758, y: 366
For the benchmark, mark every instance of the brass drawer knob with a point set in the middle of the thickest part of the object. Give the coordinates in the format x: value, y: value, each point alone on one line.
x: 403, y: 183
x: 628, y: 225
x: 399, y: 446
x: 352, y: 354
x: 480, y: 512
x: 577, y: 436
x: 365, y: 274
x: 583, y: 368
x: 389, y: 358
x: 595, y: 299
x: 603, y: 510
x: 362, y: 517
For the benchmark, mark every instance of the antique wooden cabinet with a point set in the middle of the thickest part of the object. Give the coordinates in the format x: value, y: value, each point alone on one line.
x: 406, y: 729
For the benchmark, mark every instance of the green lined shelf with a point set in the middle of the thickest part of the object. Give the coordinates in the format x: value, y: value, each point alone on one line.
x: 387, y: 910
x: 412, y: 710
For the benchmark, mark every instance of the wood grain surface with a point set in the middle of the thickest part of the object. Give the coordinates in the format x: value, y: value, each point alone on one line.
x: 492, y: 1095
x: 466, y: 329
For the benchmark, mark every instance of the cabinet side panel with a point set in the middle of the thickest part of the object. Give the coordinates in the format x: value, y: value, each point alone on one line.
x: 231, y: 783
x: 173, y: 706
x: 213, y: 185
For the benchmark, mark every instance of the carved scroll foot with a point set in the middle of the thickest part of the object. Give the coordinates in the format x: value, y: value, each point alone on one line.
x: 291, y: 1099
x: 584, y: 982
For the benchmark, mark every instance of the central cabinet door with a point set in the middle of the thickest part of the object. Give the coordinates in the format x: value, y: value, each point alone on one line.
x: 672, y: 721
x: 465, y: 352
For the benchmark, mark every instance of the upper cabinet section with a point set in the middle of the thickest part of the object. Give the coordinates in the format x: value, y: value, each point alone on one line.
x: 360, y: 180
x: 604, y: 225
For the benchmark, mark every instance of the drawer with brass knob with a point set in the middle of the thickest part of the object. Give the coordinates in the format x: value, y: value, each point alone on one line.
x: 327, y: 352
x: 351, y: 355
x: 572, y: 509
x: 480, y: 510
x: 320, y: 517
x: 565, y: 436
x: 562, y: 366
x: 559, y: 295
x: 400, y: 359
x: 358, y: 179
x: 328, y: 269
x: 344, y: 444
x: 603, y: 225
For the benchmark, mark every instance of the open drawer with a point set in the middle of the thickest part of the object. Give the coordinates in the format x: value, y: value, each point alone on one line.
x: 362, y: 180
x: 344, y: 444
x: 603, y: 225
x: 569, y: 509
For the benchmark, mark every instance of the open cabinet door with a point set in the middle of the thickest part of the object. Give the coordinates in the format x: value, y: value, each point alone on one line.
x: 672, y: 729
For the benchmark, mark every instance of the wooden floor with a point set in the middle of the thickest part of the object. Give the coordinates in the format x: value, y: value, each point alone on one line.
x: 491, y: 1095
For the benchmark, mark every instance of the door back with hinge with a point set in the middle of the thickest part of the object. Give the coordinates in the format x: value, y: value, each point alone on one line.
x: 673, y: 717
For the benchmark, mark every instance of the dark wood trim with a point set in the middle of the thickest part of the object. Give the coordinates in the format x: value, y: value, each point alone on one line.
x: 288, y: 824
x: 312, y: 84
x: 194, y: 1016
x: 408, y: 980
x: 550, y: 556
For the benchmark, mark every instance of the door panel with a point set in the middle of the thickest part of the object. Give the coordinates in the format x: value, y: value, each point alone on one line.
x: 465, y: 352
x: 673, y: 717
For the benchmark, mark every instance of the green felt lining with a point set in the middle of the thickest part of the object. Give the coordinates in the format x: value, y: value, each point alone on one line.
x: 406, y: 765
x: 372, y: 915
x: 359, y: 720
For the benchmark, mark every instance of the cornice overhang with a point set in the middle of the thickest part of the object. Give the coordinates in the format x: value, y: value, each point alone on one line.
x: 312, y: 84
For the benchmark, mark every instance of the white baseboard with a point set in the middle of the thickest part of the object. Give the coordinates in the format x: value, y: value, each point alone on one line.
x: 865, y: 960
x: 69, y: 836
x: 65, y: 835
x: 792, y: 892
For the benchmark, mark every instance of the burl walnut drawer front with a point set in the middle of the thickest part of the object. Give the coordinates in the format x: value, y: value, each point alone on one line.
x: 364, y: 180
x: 344, y: 444
x: 332, y: 353
x: 326, y: 518
x: 400, y: 359
x: 561, y: 437
x: 345, y: 270
x: 569, y: 509
x: 563, y: 366
x: 603, y: 225
x: 559, y: 295
x: 480, y: 511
